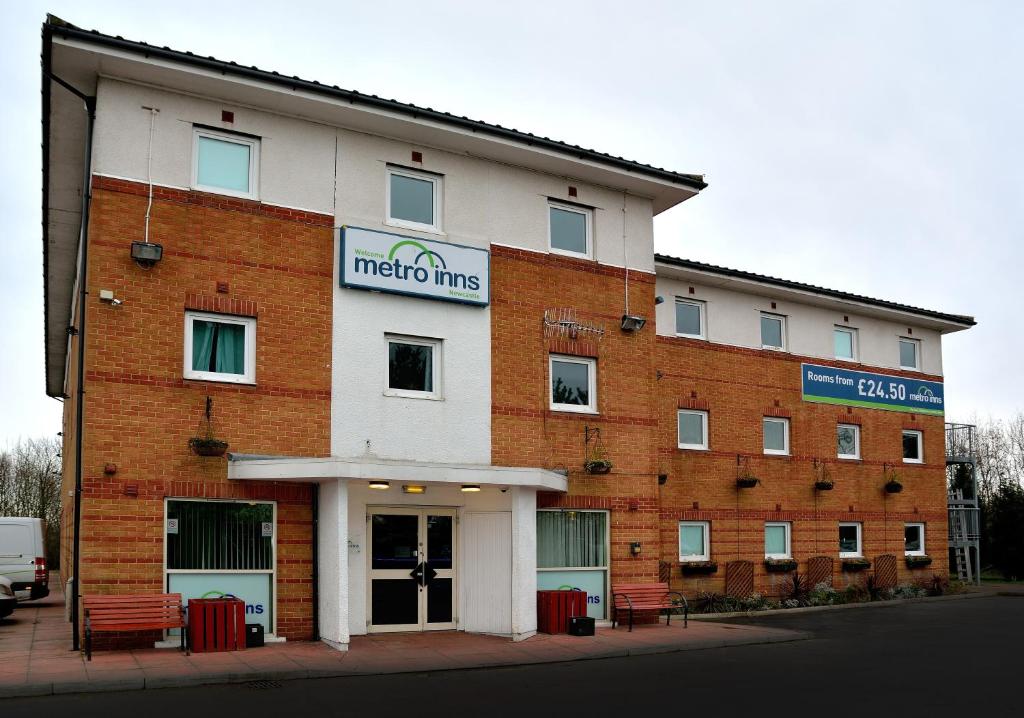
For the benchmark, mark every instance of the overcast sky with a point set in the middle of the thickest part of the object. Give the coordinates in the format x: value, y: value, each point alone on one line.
x: 873, y: 147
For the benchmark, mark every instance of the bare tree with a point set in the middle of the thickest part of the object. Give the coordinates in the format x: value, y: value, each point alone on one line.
x: 30, y: 481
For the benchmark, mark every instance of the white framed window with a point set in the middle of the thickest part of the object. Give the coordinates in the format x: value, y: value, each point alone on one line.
x: 413, y: 199
x: 573, y: 383
x: 913, y: 447
x: 693, y: 429
x: 573, y: 550
x: 773, y: 331
x: 913, y: 539
x: 413, y: 367
x: 848, y: 441
x: 220, y: 347
x: 776, y: 435
x: 844, y: 340
x: 225, y: 163
x: 910, y: 353
x: 694, y: 541
x: 850, y: 545
x: 691, y: 320
x: 570, y: 229
x: 777, y: 537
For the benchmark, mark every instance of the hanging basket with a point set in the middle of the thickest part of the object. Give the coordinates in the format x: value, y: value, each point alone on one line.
x: 892, y: 486
x: 207, y: 447
x: 747, y: 482
x: 599, y: 466
x: 825, y: 485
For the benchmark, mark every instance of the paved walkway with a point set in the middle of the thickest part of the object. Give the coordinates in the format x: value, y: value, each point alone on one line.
x: 35, y: 655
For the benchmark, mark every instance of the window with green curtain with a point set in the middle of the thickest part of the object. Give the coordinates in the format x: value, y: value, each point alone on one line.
x: 219, y: 536
x: 571, y: 539
x: 218, y: 347
x: 775, y: 540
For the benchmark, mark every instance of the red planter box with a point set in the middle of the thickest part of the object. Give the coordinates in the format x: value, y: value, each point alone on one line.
x: 555, y: 608
x: 216, y: 624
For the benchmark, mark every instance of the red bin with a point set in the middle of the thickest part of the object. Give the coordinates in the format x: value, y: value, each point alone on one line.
x: 216, y: 624
x: 555, y: 608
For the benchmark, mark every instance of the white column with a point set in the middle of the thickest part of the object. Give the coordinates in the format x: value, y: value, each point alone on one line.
x: 524, y: 563
x: 333, y: 563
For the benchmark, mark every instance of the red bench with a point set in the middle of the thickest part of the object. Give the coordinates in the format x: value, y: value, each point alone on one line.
x: 647, y: 597
x: 133, y: 613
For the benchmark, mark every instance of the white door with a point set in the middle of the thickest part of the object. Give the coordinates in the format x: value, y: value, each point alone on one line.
x: 411, y: 569
x: 486, y: 575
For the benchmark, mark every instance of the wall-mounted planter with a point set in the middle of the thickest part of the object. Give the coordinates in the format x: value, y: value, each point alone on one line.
x: 780, y: 565
x: 598, y: 467
x: 893, y: 487
x: 746, y: 482
x: 918, y: 561
x: 823, y: 485
x: 207, y: 447
x: 693, y: 568
x: 856, y: 564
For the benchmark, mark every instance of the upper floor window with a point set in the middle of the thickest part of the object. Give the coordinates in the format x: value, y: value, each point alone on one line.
x: 693, y: 429
x: 776, y: 435
x: 913, y: 447
x: 845, y: 341
x: 848, y: 440
x: 694, y: 541
x: 225, y: 163
x: 690, y: 318
x: 219, y: 347
x: 773, y: 331
x: 413, y: 199
x: 414, y: 367
x: 569, y: 229
x: 910, y: 353
x: 573, y: 384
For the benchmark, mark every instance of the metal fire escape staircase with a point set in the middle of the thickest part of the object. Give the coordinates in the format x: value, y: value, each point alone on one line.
x: 962, y: 503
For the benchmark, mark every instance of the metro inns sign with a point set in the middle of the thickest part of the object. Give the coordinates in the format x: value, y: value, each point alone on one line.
x: 386, y: 262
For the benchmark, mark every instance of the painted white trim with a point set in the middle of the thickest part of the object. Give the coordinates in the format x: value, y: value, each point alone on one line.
x: 854, y: 353
x: 920, y: 445
x: 702, y: 307
x: 703, y: 446
x: 785, y: 435
x: 916, y: 343
x: 249, y: 376
x: 533, y: 250
x: 588, y: 223
x: 591, y: 364
x: 706, y: 556
x: 922, y: 551
x: 252, y: 143
x: 859, y: 552
x: 856, y: 441
x: 436, y: 189
x: 436, y: 393
x: 781, y: 318
x: 788, y: 526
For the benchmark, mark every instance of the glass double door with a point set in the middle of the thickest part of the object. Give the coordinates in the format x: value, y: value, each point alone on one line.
x: 412, y: 569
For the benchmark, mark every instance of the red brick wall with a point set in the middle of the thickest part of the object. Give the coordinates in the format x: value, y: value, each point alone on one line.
x: 140, y: 412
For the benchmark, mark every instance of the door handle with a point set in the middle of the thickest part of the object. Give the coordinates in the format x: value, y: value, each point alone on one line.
x: 417, y: 574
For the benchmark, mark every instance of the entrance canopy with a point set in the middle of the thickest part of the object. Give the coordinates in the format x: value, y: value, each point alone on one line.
x: 291, y: 468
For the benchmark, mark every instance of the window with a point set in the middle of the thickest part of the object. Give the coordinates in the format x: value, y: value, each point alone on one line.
x: 909, y: 354
x: 220, y: 536
x: 777, y: 540
x: 413, y: 199
x: 413, y: 368
x: 850, y: 541
x: 573, y: 384
x: 845, y: 341
x: 694, y: 541
x: 219, y: 347
x: 913, y: 539
x: 776, y: 435
x: 225, y: 163
x: 848, y: 439
x: 913, y: 449
x: 572, y: 552
x: 773, y: 331
x: 693, y: 429
x: 569, y: 229
x: 690, y: 319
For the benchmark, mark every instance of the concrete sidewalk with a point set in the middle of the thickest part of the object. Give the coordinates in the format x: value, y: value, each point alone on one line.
x: 36, y: 656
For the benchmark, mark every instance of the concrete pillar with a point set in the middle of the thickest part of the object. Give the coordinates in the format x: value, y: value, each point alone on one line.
x: 524, y: 563
x: 333, y: 564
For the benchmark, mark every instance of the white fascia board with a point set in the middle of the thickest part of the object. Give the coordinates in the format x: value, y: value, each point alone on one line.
x: 333, y: 468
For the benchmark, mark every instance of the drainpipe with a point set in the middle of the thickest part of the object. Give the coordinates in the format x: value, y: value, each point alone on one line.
x: 316, y: 562
x: 90, y: 108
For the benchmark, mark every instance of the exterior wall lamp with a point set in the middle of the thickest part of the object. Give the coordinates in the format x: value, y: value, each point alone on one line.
x: 634, y: 548
x: 381, y: 485
x: 147, y: 254
x: 632, y: 323
x: 470, y: 488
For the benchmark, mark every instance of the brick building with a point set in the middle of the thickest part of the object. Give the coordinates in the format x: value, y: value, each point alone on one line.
x: 445, y: 361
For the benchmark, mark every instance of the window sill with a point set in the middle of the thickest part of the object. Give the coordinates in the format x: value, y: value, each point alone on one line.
x: 217, y: 380
x: 412, y: 395
x: 397, y: 224
x: 913, y: 461
x: 561, y: 409
x: 690, y: 447
x: 225, y: 192
x: 691, y: 336
x: 852, y: 459
x: 574, y: 255
x: 777, y: 454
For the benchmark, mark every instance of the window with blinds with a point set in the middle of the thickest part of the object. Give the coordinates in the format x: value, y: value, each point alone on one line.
x: 572, y: 539
x: 220, y: 536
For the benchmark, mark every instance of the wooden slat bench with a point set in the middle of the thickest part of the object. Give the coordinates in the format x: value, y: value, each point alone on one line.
x: 647, y: 597
x: 147, y: 612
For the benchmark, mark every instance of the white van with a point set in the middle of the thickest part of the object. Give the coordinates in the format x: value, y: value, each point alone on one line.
x: 23, y: 555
